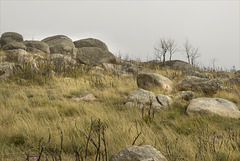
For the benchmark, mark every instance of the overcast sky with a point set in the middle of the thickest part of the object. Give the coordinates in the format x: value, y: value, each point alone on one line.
x: 133, y: 27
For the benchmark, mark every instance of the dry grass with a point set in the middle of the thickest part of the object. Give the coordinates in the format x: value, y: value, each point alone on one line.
x: 30, y: 112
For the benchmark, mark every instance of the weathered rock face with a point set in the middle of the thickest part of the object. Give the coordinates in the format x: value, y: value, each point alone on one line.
x: 94, y: 56
x: 142, y: 98
x: 6, y: 70
x: 192, y: 83
x: 185, y: 95
x: 133, y: 69
x: 222, y: 75
x: 60, y: 44
x: 37, y: 47
x: 152, y: 80
x: 19, y: 55
x: 14, y: 45
x: 164, y: 100
x: 8, y: 37
x: 138, y: 153
x: 59, y: 59
x: 90, y: 42
x: 209, y: 106
x: 235, y: 80
x: 178, y: 65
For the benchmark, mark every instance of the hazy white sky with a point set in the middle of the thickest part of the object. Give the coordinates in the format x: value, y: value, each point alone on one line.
x: 133, y: 27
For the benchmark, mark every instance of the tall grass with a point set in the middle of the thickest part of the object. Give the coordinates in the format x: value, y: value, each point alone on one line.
x: 31, y: 113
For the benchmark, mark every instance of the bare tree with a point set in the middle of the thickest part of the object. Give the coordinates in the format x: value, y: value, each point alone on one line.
x: 161, y: 48
x: 191, y: 53
x: 187, y: 50
x: 172, y: 47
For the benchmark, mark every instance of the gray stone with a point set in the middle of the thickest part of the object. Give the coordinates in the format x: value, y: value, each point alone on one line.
x: 6, y: 70
x: 210, y: 106
x: 94, y: 56
x: 59, y: 59
x: 8, y: 37
x: 60, y: 44
x: 14, y: 45
x: 132, y: 69
x: 192, y: 83
x: 90, y: 42
x: 138, y: 153
x: 38, y: 47
x: 152, y: 81
x: 19, y: 56
x: 234, y: 80
x: 164, y: 100
x: 178, y: 65
x: 142, y: 98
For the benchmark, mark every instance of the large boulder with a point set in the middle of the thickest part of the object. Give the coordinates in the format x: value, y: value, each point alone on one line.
x: 138, y: 153
x: 60, y: 44
x: 209, y: 106
x: 14, y: 45
x: 8, y: 37
x: 142, y: 98
x: 37, y: 47
x: 94, y: 56
x: 90, y: 42
x: 164, y: 100
x: 151, y: 81
x: 178, y: 65
x: 206, y: 85
x: 235, y: 80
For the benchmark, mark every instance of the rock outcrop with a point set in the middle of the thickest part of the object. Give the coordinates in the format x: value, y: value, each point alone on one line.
x: 37, y: 47
x: 192, y: 83
x: 138, y: 153
x: 60, y: 44
x: 14, y: 45
x: 235, y: 80
x: 210, y: 106
x: 178, y: 65
x: 152, y: 81
x: 94, y: 56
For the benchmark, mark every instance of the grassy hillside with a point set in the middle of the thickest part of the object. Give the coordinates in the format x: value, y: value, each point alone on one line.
x: 39, y: 117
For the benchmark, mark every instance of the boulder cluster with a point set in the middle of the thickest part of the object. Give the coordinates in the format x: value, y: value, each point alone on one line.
x: 60, y: 50
x: 142, y: 97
